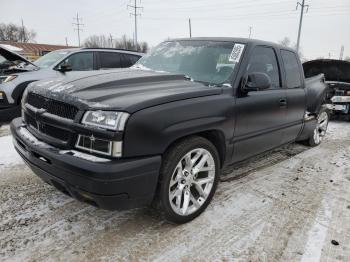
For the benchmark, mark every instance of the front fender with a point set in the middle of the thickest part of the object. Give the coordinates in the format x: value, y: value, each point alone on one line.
x: 151, y: 131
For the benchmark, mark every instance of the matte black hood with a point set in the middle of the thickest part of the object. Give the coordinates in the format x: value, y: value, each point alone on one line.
x: 128, y: 90
x: 334, y: 70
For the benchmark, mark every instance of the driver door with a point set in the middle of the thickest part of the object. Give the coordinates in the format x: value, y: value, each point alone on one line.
x: 260, y: 115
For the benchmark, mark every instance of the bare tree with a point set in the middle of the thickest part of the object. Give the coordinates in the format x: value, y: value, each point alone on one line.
x: 123, y: 43
x: 285, y: 42
x: 12, y: 32
x: 97, y: 41
x: 288, y: 43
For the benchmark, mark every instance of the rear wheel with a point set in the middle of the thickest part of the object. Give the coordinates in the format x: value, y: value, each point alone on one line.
x: 320, y: 129
x: 189, y: 177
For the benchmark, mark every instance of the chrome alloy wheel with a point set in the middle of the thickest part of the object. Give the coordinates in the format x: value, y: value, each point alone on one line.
x: 321, y: 127
x: 192, y: 181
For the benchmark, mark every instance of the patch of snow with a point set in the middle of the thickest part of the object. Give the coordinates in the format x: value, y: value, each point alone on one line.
x: 81, y: 155
x: 318, y: 233
x: 32, y: 139
x: 9, y: 156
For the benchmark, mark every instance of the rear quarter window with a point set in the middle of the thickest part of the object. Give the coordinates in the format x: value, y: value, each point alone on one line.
x: 291, y: 66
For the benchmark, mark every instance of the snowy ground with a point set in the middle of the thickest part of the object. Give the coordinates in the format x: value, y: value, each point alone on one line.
x: 285, y: 206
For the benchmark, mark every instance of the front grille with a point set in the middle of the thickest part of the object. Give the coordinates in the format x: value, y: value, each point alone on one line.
x: 47, y: 129
x: 55, y: 132
x: 30, y: 121
x: 52, y: 106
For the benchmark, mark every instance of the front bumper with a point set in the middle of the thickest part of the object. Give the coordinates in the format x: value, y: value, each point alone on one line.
x: 108, y: 184
x: 341, y: 104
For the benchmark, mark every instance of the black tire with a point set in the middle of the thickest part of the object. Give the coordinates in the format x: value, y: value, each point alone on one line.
x: 313, y: 140
x: 171, y: 159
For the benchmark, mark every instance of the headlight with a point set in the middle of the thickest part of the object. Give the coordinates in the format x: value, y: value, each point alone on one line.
x: 8, y: 78
x: 106, y: 119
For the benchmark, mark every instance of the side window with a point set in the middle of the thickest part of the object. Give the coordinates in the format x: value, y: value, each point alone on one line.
x: 129, y: 60
x: 291, y: 65
x: 134, y: 58
x: 80, y: 61
x: 110, y: 60
x: 264, y: 60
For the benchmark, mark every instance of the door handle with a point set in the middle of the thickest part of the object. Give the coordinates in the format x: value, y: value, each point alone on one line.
x: 283, y: 102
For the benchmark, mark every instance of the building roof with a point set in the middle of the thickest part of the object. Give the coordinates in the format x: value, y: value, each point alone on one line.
x: 31, y: 47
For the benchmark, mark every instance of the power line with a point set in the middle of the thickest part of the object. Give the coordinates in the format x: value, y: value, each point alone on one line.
x: 302, y: 5
x: 135, y: 14
x: 78, y: 24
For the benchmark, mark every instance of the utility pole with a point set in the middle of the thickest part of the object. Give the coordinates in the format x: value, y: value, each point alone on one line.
x: 135, y: 14
x: 341, y: 53
x: 190, y: 27
x: 78, y: 24
x: 23, y: 33
x: 250, y: 31
x: 66, y: 41
x: 302, y: 5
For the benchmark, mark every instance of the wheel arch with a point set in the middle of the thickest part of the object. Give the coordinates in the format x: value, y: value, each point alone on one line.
x: 18, y: 91
x: 216, y: 137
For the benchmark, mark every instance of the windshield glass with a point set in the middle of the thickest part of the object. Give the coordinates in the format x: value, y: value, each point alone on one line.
x: 211, y: 62
x: 50, y: 58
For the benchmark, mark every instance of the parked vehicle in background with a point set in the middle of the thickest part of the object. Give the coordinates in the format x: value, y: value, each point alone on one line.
x: 16, y: 72
x: 337, y: 75
x: 161, y: 131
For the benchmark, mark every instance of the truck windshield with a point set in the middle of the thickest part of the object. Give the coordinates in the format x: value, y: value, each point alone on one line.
x: 50, y: 58
x: 211, y: 62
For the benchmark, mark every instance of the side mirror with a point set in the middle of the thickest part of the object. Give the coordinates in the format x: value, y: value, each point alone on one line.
x: 64, y: 68
x: 256, y: 82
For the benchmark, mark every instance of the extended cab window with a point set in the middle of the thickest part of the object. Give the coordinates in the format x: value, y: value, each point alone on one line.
x: 264, y: 60
x: 80, y: 61
x: 110, y: 60
x: 291, y: 65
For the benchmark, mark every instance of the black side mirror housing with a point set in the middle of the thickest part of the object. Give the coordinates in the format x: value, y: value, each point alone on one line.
x: 64, y: 68
x: 256, y: 82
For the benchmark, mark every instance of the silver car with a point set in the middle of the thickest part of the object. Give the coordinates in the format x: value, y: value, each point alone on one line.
x: 16, y: 72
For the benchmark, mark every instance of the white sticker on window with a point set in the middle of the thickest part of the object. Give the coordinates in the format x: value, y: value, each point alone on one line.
x: 236, y: 53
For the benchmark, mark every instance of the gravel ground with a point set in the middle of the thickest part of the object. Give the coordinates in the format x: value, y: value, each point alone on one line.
x: 287, y: 205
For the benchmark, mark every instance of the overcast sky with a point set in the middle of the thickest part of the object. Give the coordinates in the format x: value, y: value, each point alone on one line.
x: 325, y: 28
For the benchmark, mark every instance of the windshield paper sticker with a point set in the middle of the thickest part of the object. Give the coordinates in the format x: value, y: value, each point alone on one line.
x: 236, y: 53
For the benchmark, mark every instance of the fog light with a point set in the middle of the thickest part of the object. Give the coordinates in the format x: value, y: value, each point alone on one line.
x: 2, y: 95
x: 99, y: 146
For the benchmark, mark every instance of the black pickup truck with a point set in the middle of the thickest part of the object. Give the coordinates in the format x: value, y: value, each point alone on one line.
x: 160, y: 132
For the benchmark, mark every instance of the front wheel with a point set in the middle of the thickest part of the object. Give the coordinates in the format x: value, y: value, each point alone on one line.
x: 320, y: 129
x: 189, y: 177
